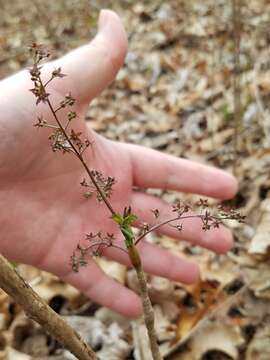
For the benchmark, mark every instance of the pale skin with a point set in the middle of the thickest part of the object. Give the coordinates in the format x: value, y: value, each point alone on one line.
x: 43, y: 213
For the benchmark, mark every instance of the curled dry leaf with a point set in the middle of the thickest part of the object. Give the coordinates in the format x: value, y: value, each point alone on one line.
x: 259, y: 347
x: 216, y: 141
x: 115, y: 347
x: 4, y: 310
x: 160, y: 289
x: 109, y: 339
x: 213, y: 337
x: 27, y: 337
x: 203, y: 296
x: 166, y: 331
x: 259, y: 280
x: 36, y: 345
x: 12, y: 354
x: 3, y: 346
x: 135, y: 83
x: 107, y: 316
x: 47, y: 285
x: 260, y: 244
x: 171, y: 309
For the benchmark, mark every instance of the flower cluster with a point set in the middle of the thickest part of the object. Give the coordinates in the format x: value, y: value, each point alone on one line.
x: 62, y: 138
x: 104, y: 183
x: 97, y: 243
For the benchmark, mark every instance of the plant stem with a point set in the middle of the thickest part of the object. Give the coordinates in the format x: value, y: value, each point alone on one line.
x: 148, y: 312
x: 37, y: 309
x: 177, y: 218
x: 79, y: 156
x: 155, y: 227
x: 127, y: 232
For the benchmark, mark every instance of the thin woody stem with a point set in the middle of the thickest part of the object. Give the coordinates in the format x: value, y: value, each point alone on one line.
x: 103, y: 243
x: 130, y: 240
x: 168, y: 221
x: 153, y: 228
x: 47, y: 83
x: 147, y: 306
x: 79, y: 156
x: 124, y: 221
x: 148, y: 312
x: 165, y: 222
x: 37, y: 309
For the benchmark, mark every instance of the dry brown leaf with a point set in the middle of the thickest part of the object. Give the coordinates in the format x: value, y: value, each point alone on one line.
x: 213, y: 337
x: 53, y: 286
x: 135, y: 83
x: 110, y: 339
x: 4, y: 310
x: 165, y: 330
x: 260, y: 244
x: 259, y: 347
x: 46, y: 284
x: 13, y: 354
x: 259, y: 279
x: 205, y: 294
x: 217, y: 141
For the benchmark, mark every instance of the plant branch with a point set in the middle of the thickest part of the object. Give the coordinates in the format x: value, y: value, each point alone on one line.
x: 168, y: 221
x: 79, y: 156
x: 37, y: 309
x: 148, y: 311
x: 124, y: 221
x: 126, y: 230
x: 103, y: 243
x: 157, y: 226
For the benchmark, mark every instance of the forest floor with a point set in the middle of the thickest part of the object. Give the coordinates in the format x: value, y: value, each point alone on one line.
x: 176, y: 93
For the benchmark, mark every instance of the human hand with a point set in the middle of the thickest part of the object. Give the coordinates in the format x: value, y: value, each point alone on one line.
x: 43, y: 215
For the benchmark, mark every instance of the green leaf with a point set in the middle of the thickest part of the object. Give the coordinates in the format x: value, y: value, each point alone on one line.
x: 127, y: 232
x: 129, y: 220
x: 118, y: 218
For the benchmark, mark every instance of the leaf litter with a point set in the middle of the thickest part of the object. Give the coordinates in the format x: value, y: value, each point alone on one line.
x: 174, y: 94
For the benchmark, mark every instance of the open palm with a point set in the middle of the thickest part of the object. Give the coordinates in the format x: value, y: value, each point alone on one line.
x: 43, y: 213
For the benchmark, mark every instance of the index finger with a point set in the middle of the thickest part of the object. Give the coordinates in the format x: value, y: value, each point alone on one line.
x: 153, y: 169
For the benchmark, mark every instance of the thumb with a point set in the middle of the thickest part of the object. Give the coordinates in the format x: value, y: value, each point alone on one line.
x: 92, y: 67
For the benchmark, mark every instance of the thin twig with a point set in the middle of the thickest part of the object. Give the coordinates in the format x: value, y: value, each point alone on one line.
x: 168, y: 221
x: 37, y: 309
x: 157, y: 226
x: 79, y: 155
x: 148, y: 311
x: 103, y: 243
x: 124, y: 221
x: 220, y: 308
